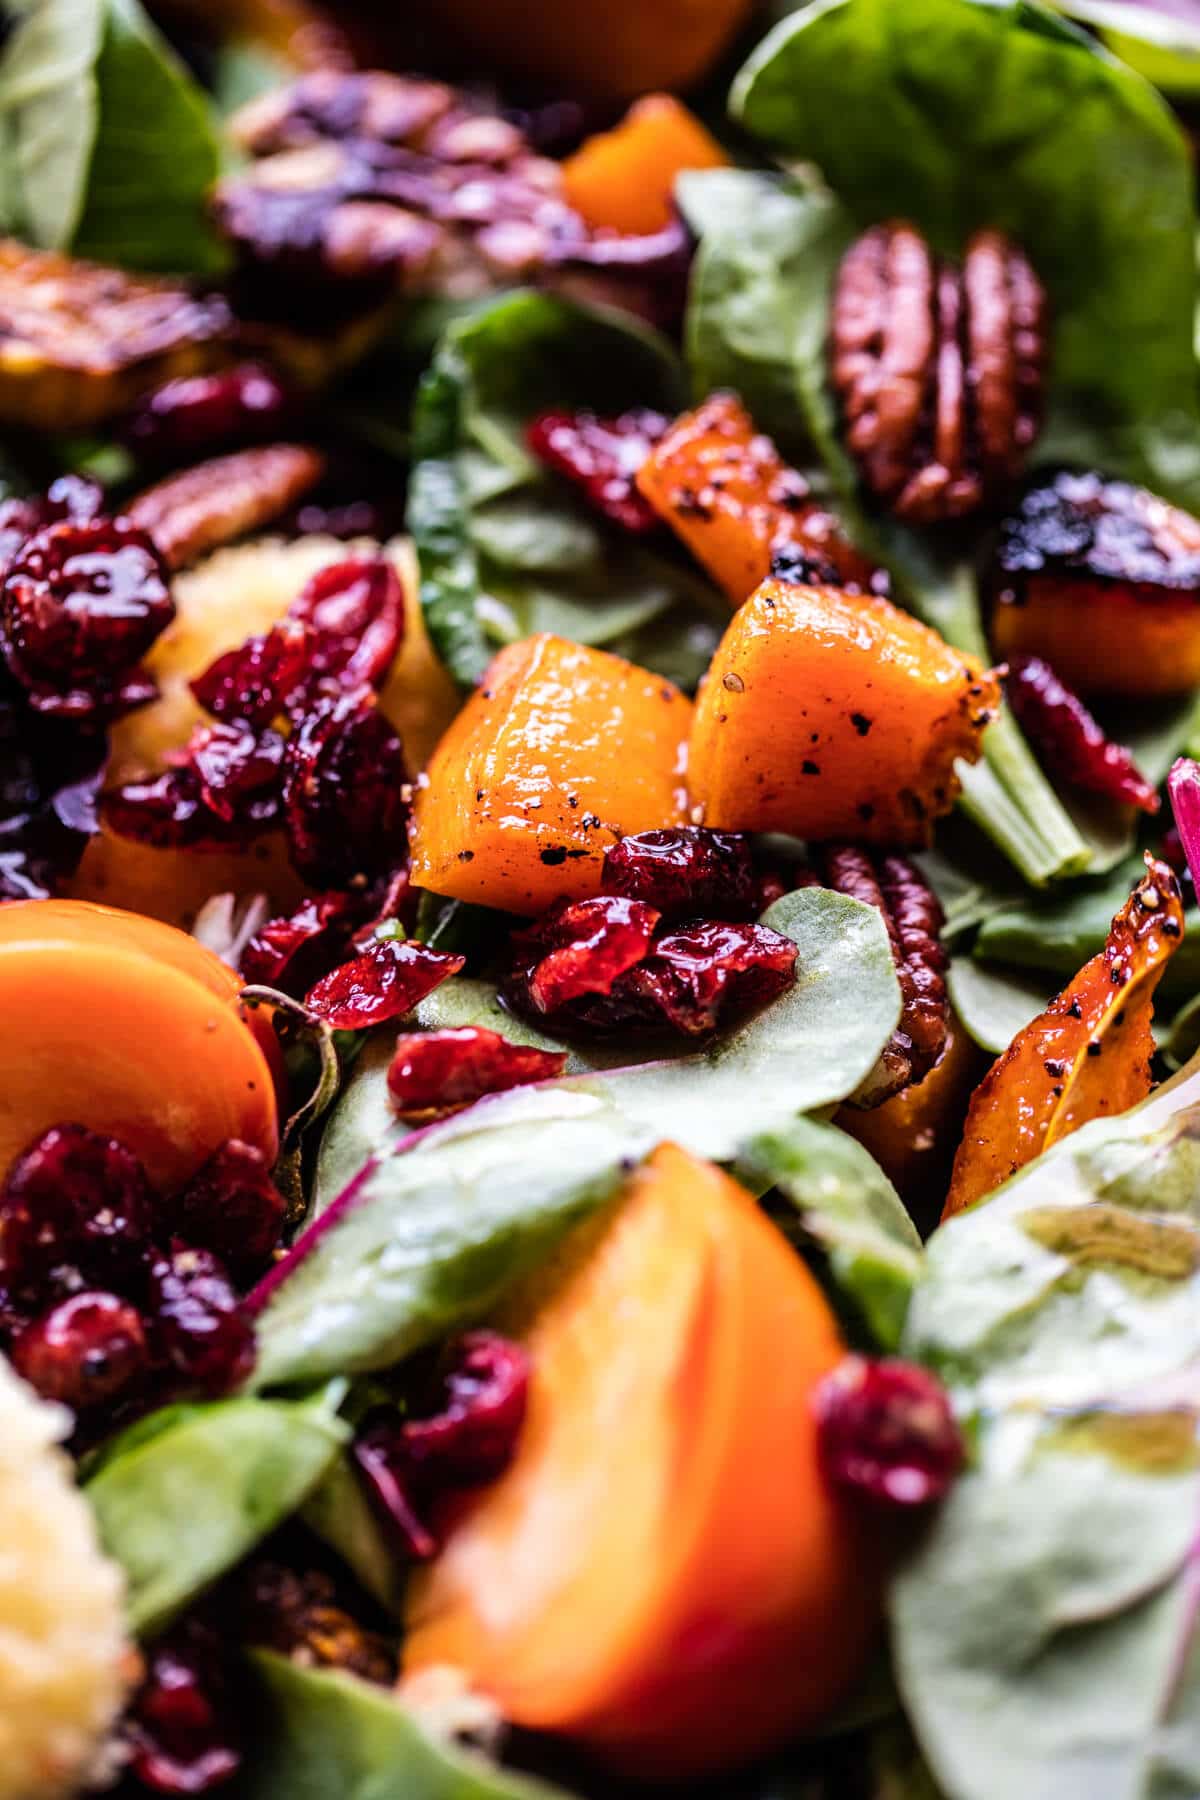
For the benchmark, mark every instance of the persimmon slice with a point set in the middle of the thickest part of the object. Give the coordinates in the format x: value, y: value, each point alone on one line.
x: 131, y: 1028
x: 662, y: 1573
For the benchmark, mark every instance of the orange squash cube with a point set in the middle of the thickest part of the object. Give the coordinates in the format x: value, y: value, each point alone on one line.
x: 662, y: 1573
x: 624, y: 179
x: 1105, y: 638
x: 725, y: 490
x: 560, y: 752
x: 827, y: 715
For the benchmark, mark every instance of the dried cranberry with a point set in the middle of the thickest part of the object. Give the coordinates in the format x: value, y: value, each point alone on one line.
x: 345, y: 792
x: 385, y: 982
x: 239, y: 770
x: 50, y: 777
x: 472, y: 1436
x: 689, y: 872
x: 70, y: 497
x: 204, y: 1334
x: 198, y: 415
x: 257, y: 680
x: 290, y: 953
x: 232, y: 1206
x: 356, y: 611
x: 224, y: 788
x: 166, y: 811
x: 387, y: 1477
x: 183, y: 1731
x: 578, y: 948
x: 702, y: 975
x: 1064, y: 731
x: 442, y: 1069
x: 602, y: 457
x: 886, y: 1432
x: 82, y: 603
x: 74, y: 1197
x: 86, y: 1351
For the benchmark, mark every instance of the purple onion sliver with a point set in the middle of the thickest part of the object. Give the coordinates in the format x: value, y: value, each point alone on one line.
x: 1183, y: 786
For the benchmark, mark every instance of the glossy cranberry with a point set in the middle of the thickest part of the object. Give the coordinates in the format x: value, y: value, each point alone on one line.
x: 355, y: 610
x: 387, y: 1480
x: 232, y: 1207
x: 257, y: 681
x: 50, y: 777
x: 165, y: 811
x: 74, y: 1197
x: 196, y: 416
x: 183, y: 1732
x: 82, y: 603
x: 386, y: 981
x: 472, y: 1436
x: 886, y: 1432
x: 87, y: 1351
x: 204, y: 1334
x: 240, y: 771
x: 602, y: 458
x: 578, y: 948
x: 70, y: 497
x: 291, y: 953
x: 688, y: 872
x: 344, y: 792
x: 709, y: 974
x: 443, y: 1069
x: 1075, y: 746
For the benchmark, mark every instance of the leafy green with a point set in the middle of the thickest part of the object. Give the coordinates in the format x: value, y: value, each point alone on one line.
x: 429, y: 1239
x: 1045, y: 1628
x: 108, y: 144
x: 330, y: 1736
x: 993, y: 1001
x: 848, y: 1207
x: 505, y: 549
x: 184, y: 1494
x: 970, y: 112
x: 338, y: 1511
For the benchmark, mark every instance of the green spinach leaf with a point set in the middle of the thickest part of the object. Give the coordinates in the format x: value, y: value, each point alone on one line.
x: 506, y: 550
x: 1045, y: 1628
x: 330, y: 1736
x: 184, y: 1494
x: 849, y: 1208
x: 108, y: 144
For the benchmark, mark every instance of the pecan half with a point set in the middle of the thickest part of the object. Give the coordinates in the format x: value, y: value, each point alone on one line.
x: 223, y: 499
x: 913, y: 916
x: 939, y: 370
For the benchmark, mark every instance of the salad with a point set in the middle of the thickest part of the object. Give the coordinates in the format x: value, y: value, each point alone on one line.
x: 599, y: 954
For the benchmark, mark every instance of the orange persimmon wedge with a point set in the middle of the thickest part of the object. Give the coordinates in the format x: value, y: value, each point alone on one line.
x: 624, y: 179
x: 662, y: 1574
x: 558, y: 753
x: 129, y: 1027
x: 830, y: 715
x: 725, y: 490
x: 1087, y: 1055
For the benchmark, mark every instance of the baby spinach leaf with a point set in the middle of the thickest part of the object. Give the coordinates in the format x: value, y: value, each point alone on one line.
x: 109, y: 148
x: 428, y: 1239
x: 505, y: 549
x: 339, y: 1512
x: 994, y: 1002
x: 185, y: 1494
x: 849, y: 1208
x: 1045, y: 1628
x: 969, y: 113
x: 330, y: 1736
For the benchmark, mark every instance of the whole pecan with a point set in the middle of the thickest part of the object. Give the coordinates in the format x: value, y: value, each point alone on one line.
x: 225, y: 498
x: 913, y: 916
x: 939, y: 369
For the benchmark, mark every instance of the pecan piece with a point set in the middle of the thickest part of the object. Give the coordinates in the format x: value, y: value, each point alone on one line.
x: 229, y: 497
x: 913, y: 916
x: 939, y: 369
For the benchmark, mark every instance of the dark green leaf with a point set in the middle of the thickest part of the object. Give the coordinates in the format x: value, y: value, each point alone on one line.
x: 185, y: 1494
x: 331, y: 1736
x: 847, y: 1206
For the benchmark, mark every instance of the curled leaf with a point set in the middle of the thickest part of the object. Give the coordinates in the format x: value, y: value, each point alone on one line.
x: 1086, y: 1055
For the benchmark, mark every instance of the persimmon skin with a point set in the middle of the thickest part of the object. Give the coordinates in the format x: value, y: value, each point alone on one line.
x: 663, y: 1574
x: 624, y: 179
x: 722, y: 486
x: 1103, y: 638
x: 129, y: 1027
x: 559, y: 752
x: 830, y: 715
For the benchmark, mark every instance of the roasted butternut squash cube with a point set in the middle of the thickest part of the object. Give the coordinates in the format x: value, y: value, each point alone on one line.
x: 559, y: 753
x: 624, y: 179
x: 725, y: 490
x: 827, y: 715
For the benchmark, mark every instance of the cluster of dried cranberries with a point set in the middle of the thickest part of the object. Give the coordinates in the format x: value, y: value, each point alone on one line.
x: 113, y: 1296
